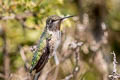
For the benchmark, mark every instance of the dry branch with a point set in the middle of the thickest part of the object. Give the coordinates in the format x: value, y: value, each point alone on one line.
x: 22, y: 53
x: 2, y: 76
x: 114, y: 75
x: 6, y: 56
x: 75, y: 46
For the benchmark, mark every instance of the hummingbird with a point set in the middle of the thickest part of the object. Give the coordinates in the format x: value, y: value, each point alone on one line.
x: 47, y: 45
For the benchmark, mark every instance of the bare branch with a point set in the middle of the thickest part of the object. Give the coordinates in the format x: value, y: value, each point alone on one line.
x: 22, y: 53
x: 6, y: 57
x: 2, y: 76
x: 75, y: 46
x: 114, y: 75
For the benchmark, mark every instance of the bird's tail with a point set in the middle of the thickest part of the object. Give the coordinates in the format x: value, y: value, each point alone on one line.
x: 36, y: 76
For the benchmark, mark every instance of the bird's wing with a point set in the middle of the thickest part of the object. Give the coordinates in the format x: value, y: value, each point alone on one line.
x: 41, y: 45
x: 42, y: 61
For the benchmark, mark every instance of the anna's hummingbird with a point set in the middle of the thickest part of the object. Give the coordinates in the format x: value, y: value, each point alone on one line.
x: 48, y: 44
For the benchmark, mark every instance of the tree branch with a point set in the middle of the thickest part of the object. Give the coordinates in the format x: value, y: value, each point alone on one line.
x: 6, y: 57
x: 2, y: 76
x: 114, y: 75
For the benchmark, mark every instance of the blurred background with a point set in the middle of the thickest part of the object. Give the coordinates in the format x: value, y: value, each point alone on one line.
x: 96, y: 24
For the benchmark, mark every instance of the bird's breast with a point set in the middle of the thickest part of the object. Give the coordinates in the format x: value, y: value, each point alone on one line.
x: 55, y: 40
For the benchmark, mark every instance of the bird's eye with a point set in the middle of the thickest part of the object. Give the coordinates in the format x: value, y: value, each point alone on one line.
x: 52, y: 21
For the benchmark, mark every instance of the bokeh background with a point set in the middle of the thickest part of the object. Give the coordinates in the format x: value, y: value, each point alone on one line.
x: 96, y: 24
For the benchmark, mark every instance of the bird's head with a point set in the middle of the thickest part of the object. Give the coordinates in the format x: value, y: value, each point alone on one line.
x: 53, y: 22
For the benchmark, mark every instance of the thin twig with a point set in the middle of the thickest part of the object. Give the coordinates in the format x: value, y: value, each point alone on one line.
x: 54, y: 66
x: 56, y: 73
x: 22, y: 53
x: 75, y: 46
x: 114, y: 75
x: 6, y: 57
x: 2, y: 76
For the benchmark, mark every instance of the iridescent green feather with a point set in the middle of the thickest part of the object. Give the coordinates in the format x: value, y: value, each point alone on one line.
x: 39, y: 50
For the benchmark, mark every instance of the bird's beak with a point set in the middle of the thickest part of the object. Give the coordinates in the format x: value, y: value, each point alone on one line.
x: 61, y: 19
x: 66, y: 17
